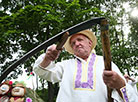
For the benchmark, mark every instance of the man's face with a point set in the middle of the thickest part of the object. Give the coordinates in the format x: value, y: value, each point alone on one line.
x: 81, y: 45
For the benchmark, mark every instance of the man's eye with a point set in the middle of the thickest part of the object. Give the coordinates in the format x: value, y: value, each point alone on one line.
x: 72, y: 44
x: 79, y: 39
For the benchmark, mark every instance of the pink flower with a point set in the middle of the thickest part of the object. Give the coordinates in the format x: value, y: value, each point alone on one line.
x: 10, y: 82
x: 28, y: 99
x: 31, y: 73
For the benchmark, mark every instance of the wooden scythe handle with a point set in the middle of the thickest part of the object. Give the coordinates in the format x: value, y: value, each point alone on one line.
x: 62, y: 41
x: 106, y: 51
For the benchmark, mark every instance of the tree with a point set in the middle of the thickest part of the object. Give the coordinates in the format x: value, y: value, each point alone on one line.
x: 132, y: 38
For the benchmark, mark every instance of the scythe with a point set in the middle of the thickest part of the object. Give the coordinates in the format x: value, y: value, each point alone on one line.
x: 60, y: 36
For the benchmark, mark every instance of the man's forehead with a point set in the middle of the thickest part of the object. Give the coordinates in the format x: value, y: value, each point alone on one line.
x: 78, y: 35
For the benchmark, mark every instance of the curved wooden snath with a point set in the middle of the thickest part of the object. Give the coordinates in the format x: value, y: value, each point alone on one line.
x: 106, y: 50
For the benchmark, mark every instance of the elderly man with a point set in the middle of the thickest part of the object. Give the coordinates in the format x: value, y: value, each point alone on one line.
x: 83, y: 78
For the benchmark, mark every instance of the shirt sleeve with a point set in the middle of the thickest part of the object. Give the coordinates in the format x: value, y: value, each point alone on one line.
x: 128, y: 92
x: 53, y: 72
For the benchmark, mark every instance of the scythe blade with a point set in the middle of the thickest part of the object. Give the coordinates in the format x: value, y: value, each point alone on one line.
x: 72, y: 30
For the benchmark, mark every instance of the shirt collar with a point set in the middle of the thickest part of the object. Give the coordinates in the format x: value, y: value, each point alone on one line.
x: 82, y: 60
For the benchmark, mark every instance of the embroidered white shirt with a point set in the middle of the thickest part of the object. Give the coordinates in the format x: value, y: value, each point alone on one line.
x: 65, y: 72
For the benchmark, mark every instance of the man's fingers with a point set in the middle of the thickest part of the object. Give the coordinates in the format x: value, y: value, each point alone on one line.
x: 108, y: 73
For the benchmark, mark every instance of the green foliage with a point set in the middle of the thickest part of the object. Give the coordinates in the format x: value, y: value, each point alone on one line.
x: 33, y: 95
x: 22, y: 82
x: 42, y: 95
x: 133, y: 39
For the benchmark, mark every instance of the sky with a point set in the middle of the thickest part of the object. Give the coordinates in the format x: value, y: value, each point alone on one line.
x: 30, y: 80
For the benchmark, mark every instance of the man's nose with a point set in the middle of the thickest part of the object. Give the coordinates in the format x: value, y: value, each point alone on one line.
x: 77, y: 43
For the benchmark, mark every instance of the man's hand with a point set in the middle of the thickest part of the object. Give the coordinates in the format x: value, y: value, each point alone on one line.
x: 51, y: 54
x: 127, y: 77
x: 113, y: 80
